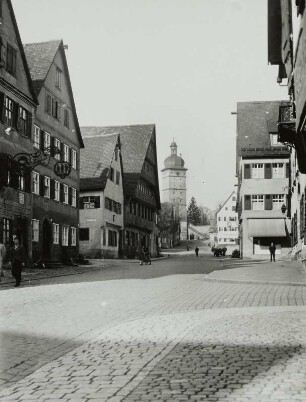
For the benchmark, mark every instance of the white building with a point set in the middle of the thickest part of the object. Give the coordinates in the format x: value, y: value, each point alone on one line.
x: 227, y: 224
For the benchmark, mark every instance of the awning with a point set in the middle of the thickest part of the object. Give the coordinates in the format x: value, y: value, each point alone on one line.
x: 267, y: 228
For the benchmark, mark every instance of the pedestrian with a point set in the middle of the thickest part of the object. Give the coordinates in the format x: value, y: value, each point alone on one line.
x: 18, y: 260
x: 272, y: 249
x: 2, y: 258
x: 197, y: 251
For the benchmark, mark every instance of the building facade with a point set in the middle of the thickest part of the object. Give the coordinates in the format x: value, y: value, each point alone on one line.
x: 140, y: 185
x: 56, y: 132
x: 174, y: 187
x: 263, y: 170
x: 101, y: 197
x: 287, y: 50
x: 227, y: 224
x: 18, y: 103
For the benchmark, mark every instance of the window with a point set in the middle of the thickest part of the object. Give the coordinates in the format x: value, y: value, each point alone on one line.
x: 47, y: 187
x: 274, y: 140
x: 257, y: 202
x: 73, y: 236
x: 47, y: 141
x: 233, y: 198
x: 48, y: 103
x: 65, y: 235
x: 278, y: 170
x: 21, y: 182
x: 36, y: 138
x: 66, y: 153
x: 56, y: 190
x: 73, y: 197
x: 104, y: 236
x: 233, y: 208
x: 66, y: 118
x: 278, y: 200
x: 11, y: 55
x: 90, y: 202
x: 35, y: 230
x: 219, y: 218
x: 65, y: 194
x: 55, y: 108
x: 117, y: 177
x: 57, y: 149
x: 55, y: 233
x: 9, y: 106
x: 7, y: 231
x: 73, y: 159
x: 35, y: 177
x: 257, y: 171
x: 58, y: 79
x: 111, y: 174
x: 22, y: 120
x: 84, y: 234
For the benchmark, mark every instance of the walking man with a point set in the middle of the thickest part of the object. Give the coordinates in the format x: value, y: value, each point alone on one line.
x: 2, y: 257
x: 272, y: 249
x: 197, y: 251
x: 18, y: 259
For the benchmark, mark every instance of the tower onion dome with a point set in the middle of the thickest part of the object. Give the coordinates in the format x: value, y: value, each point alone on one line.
x: 174, y: 161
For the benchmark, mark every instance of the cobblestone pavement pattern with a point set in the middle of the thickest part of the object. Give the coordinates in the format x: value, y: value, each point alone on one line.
x: 172, y: 338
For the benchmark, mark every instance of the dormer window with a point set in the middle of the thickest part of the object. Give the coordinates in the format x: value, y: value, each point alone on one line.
x: 274, y: 140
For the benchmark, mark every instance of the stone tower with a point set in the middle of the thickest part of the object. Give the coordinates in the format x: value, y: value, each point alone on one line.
x: 174, y: 186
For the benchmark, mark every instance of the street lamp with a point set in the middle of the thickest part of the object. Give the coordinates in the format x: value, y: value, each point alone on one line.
x: 283, y: 209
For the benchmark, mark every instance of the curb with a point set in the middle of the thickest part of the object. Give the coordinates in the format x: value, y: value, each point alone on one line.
x: 253, y: 282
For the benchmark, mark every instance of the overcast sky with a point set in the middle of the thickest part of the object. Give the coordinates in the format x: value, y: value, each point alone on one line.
x: 181, y: 64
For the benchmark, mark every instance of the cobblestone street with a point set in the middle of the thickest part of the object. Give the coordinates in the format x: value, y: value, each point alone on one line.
x: 177, y: 337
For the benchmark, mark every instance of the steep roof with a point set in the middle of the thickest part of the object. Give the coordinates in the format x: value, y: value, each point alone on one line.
x: 22, y: 53
x: 40, y: 57
x: 134, y: 141
x: 95, y: 161
x: 255, y: 122
x: 221, y: 207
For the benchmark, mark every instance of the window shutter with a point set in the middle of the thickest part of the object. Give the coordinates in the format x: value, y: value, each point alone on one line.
x: 268, y: 171
x: 52, y: 189
x: 41, y: 185
x: 29, y: 124
x: 2, y: 106
x: 69, y: 195
x: 97, y: 202
x: 70, y: 155
x: 62, y: 192
x: 27, y: 182
x: 247, y: 202
x: 15, y: 115
x: 52, y: 145
x: 247, y: 171
x: 268, y: 202
x: 287, y: 170
x: 42, y: 134
x: 62, y: 151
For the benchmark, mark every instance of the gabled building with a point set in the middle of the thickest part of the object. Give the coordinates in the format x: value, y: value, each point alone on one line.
x: 286, y: 50
x: 101, y: 197
x: 140, y: 182
x: 18, y: 102
x: 263, y: 170
x: 227, y: 224
x: 56, y: 131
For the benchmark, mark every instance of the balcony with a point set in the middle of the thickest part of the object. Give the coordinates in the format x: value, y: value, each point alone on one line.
x: 286, y: 124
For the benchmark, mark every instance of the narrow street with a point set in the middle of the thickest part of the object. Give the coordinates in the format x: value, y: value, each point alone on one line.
x: 160, y: 332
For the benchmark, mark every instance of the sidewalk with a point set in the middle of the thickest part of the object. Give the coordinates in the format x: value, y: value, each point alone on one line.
x: 251, y: 271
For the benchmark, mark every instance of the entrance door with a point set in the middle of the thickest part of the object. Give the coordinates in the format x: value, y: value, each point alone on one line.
x: 46, y: 240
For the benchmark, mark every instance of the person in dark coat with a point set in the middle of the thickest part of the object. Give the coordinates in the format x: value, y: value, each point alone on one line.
x: 272, y: 249
x: 197, y: 251
x: 18, y: 260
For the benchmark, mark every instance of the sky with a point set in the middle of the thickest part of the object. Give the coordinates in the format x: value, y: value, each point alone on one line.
x: 180, y: 64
